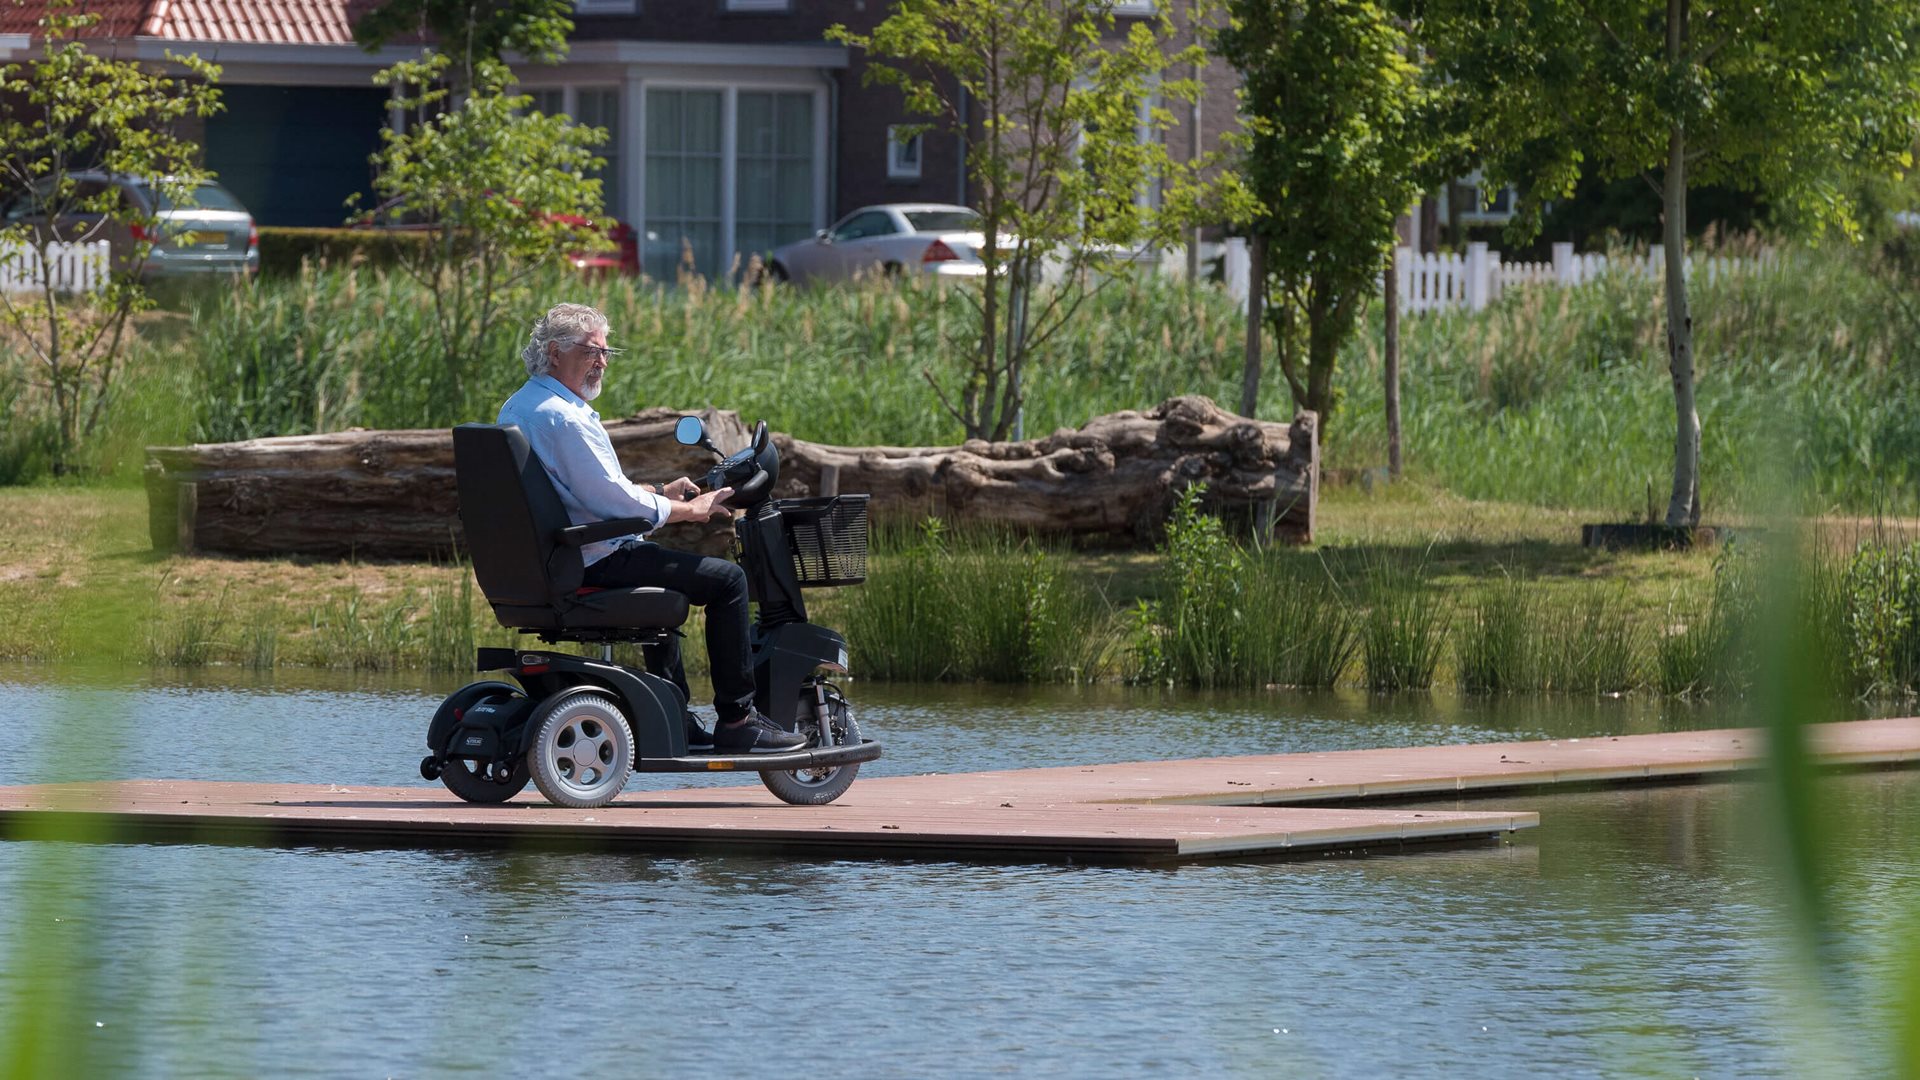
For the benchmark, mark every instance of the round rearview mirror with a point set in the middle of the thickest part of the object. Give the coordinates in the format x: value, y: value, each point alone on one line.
x: 689, y: 431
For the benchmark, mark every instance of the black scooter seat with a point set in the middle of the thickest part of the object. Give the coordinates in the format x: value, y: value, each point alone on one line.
x: 812, y: 758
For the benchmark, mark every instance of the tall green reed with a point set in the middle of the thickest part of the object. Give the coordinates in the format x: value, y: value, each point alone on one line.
x: 1404, y: 629
x: 981, y: 605
x: 1594, y: 645
x: 1496, y: 642
x: 1230, y: 617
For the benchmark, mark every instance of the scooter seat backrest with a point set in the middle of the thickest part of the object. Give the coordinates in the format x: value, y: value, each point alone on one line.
x: 512, y: 517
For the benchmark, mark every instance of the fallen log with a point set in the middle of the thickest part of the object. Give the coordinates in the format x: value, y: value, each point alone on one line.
x: 391, y: 494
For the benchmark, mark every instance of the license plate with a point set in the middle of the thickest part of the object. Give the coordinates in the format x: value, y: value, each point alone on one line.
x: 204, y: 239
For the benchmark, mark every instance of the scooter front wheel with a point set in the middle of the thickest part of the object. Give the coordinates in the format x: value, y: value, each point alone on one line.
x: 818, y: 787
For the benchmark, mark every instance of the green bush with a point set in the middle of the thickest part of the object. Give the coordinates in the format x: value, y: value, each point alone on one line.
x: 283, y: 251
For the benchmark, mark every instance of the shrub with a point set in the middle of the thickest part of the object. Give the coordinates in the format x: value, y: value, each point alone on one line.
x: 283, y: 251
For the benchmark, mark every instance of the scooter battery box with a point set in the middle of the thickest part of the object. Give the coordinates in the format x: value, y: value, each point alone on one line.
x: 488, y: 727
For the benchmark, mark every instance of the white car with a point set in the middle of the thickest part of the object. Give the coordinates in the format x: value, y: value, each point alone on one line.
x: 934, y: 238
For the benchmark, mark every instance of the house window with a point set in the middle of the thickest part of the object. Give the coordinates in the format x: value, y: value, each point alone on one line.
x: 903, y: 154
x: 594, y: 106
x: 1133, y: 7
x: 773, y: 170
x: 1478, y: 206
x: 758, y: 5
x: 684, y: 181
x: 603, y: 7
x: 1148, y: 193
x: 599, y: 107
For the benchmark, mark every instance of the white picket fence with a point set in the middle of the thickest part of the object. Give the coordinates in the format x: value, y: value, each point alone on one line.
x: 1476, y: 278
x: 76, y: 268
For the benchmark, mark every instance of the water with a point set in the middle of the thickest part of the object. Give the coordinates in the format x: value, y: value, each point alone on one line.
x: 1637, y: 931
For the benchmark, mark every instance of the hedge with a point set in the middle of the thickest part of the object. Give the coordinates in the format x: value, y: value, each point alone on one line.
x: 282, y: 250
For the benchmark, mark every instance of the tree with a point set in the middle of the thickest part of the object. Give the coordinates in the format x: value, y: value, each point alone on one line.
x: 1340, y: 137
x: 64, y: 113
x: 1062, y: 118
x: 473, y: 31
x: 1786, y: 98
x: 503, y: 190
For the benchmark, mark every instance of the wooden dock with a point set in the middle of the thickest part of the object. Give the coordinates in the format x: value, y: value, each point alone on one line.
x: 1164, y: 811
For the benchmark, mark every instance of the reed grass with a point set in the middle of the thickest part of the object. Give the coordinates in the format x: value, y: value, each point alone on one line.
x: 261, y: 638
x: 984, y: 605
x: 449, y: 634
x: 1554, y: 397
x: 1404, y: 629
x: 1496, y: 642
x: 1594, y: 645
x: 188, y: 636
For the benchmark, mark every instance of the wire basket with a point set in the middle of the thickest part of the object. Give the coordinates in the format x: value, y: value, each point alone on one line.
x: 827, y: 537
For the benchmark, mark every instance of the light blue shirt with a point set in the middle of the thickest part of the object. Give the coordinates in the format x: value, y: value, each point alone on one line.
x: 567, y: 435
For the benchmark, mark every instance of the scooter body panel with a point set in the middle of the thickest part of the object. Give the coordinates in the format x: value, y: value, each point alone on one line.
x: 783, y: 657
x: 653, y: 706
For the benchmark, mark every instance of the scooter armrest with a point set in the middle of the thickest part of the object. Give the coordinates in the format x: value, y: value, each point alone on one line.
x: 581, y: 535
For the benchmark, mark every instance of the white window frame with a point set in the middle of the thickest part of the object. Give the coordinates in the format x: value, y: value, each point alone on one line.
x: 898, y: 168
x: 1133, y: 7
x: 604, y: 7
x: 779, y: 7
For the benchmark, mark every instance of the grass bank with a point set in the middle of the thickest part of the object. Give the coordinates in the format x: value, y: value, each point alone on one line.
x: 1409, y: 589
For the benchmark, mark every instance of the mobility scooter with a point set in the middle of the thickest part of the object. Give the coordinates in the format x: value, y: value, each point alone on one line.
x: 577, y: 725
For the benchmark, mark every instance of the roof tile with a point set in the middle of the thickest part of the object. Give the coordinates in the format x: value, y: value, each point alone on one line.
x: 311, y: 22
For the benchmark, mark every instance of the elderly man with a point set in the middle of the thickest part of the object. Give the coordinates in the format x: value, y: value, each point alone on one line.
x: 566, y: 358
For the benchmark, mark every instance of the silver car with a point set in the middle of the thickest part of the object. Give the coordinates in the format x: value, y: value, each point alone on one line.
x: 211, y: 233
x: 932, y: 238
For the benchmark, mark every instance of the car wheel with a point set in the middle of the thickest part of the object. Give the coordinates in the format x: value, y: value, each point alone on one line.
x: 779, y: 274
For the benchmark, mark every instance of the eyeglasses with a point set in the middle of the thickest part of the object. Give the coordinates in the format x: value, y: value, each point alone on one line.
x: 601, y: 351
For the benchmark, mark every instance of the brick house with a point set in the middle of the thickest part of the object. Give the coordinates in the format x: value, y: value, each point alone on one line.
x: 733, y: 124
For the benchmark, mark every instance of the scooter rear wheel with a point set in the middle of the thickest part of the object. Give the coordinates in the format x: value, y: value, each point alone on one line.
x: 582, y: 749
x: 463, y: 779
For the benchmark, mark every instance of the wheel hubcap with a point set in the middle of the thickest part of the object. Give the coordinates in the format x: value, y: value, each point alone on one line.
x: 584, y: 752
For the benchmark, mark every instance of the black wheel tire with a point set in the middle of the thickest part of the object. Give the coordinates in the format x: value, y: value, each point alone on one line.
x: 778, y: 273
x: 462, y: 779
x: 582, y: 750
x: 818, y: 787
x: 892, y: 270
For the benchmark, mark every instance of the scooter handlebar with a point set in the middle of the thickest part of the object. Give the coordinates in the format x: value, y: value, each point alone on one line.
x: 752, y: 487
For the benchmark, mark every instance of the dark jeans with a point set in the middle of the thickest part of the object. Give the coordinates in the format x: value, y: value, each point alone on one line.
x: 715, y: 584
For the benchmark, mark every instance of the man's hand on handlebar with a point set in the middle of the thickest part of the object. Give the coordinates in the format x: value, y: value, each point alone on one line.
x: 680, y: 490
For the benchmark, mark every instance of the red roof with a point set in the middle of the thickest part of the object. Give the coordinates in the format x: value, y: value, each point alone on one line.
x: 302, y: 22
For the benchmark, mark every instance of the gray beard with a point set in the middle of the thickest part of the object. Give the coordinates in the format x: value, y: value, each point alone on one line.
x: 591, y: 389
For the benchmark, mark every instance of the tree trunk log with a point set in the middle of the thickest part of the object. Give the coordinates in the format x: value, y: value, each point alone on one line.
x: 391, y: 494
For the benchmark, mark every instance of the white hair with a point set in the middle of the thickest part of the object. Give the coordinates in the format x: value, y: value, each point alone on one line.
x: 562, y: 322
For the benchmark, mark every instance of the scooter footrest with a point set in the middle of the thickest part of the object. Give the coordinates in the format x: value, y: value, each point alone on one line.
x: 816, y: 758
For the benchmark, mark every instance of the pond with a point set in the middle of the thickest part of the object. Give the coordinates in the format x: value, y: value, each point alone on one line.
x: 1637, y: 930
